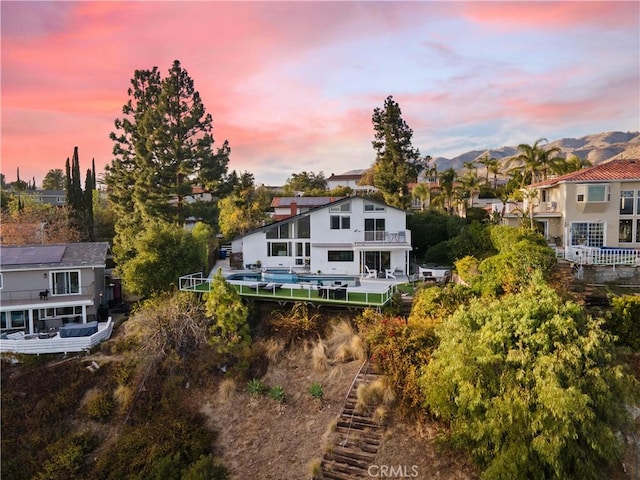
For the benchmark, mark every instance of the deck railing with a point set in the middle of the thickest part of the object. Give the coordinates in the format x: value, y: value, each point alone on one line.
x: 32, y: 344
x: 375, y: 295
x: 602, y: 256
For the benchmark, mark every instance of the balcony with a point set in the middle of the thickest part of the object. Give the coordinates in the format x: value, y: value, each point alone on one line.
x: 402, y: 237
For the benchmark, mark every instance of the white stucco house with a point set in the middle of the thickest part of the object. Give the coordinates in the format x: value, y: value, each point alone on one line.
x: 351, y: 236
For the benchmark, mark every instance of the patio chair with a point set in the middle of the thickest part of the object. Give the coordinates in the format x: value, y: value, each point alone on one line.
x: 370, y: 273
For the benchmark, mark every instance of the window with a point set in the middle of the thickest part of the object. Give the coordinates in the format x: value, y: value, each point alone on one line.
x: 14, y: 319
x: 625, y: 234
x: 340, y: 255
x: 303, y: 227
x: 638, y: 230
x: 343, y: 207
x: 373, y: 207
x: 278, y: 249
x: 1, y: 282
x: 592, y: 193
x: 279, y: 231
x: 338, y: 222
x: 66, y: 283
x: 626, y: 202
x: 374, y: 229
x: 587, y: 234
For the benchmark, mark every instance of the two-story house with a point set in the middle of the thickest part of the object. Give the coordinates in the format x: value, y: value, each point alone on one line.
x: 593, y: 207
x: 348, y: 236
x: 43, y: 287
x: 351, y: 179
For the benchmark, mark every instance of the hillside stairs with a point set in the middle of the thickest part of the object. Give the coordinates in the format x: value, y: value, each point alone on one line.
x: 357, y: 437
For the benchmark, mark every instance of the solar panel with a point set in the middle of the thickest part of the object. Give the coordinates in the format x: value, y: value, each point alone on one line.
x: 31, y: 255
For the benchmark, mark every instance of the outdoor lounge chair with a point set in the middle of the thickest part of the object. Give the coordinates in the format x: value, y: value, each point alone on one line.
x: 370, y: 273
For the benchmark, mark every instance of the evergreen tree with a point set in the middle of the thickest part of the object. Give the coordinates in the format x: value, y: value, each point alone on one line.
x: 54, y: 180
x: 163, y: 146
x: 397, y: 161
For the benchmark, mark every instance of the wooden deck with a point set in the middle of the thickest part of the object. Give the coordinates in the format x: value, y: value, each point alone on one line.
x: 36, y: 344
x: 371, y: 294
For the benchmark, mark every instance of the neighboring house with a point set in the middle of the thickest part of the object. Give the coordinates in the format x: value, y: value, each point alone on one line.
x: 285, y: 207
x: 51, y: 197
x: 46, y: 286
x: 593, y: 207
x: 350, y: 179
x: 346, y: 236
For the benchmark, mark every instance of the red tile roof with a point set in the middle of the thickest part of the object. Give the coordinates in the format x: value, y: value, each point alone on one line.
x: 608, y: 171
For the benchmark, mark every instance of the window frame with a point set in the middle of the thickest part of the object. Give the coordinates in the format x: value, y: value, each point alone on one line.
x: 67, y: 284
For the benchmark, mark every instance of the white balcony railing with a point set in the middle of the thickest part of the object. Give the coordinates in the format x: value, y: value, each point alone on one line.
x: 386, y: 237
x: 602, y: 255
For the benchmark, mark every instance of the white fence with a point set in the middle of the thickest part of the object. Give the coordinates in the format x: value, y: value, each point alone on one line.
x: 35, y: 345
x: 602, y: 256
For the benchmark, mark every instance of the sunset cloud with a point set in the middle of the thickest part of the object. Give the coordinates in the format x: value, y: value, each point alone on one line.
x: 292, y: 85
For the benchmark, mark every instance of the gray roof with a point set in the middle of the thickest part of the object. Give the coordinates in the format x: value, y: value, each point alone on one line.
x: 67, y: 255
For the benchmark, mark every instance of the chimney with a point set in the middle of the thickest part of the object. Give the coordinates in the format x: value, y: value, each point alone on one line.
x: 294, y: 209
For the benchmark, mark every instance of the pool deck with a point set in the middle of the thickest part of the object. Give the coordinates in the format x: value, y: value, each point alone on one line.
x: 368, y: 293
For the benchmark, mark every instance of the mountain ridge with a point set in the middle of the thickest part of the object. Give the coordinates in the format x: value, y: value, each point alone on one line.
x: 596, y: 148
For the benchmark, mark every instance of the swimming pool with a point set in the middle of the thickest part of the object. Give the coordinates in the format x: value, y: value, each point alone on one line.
x: 284, y: 276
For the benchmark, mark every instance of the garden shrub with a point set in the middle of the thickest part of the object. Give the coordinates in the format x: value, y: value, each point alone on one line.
x: 401, y: 349
x: 530, y: 387
x: 467, y: 268
x: 623, y: 320
x: 99, y: 405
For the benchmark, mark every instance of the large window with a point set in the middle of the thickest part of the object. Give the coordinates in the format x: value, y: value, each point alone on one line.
x: 587, y: 234
x: 374, y: 229
x: 279, y: 231
x: 592, y: 193
x: 278, y: 249
x: 338, y: 222
x: 66, y: 283
x: 303, y: 227
x: 340, y: 255
x: 14, y: 319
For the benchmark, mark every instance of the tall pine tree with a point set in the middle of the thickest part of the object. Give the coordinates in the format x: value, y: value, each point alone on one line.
x: 397, y: 161
x: 163, y: 146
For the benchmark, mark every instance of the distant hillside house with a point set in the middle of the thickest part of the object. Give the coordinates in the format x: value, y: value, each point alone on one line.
x: 48, y: 197
x: 285, y: 207
x: 593, y: 207
x: 352, y: 235
x: 350, y: 179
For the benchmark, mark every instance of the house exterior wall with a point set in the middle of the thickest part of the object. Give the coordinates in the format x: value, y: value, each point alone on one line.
x: 566, y: 216
x: 338, y: 241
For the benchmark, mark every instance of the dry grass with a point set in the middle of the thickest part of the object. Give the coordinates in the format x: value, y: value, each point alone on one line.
x: 123, y: 396
x: 315, y: 467
x: 363, y: 399
x: 380, y: 415
x: 319, y: 357
x: 273, y: 349
x: 226, y: 390
x: 344, y: 345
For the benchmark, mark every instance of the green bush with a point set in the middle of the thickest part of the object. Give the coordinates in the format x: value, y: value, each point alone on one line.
x: 100, y: 406
x: 623, y: 320
x: 316, y: 390
x: 277, y: 393
x: 256, y: 387
x: 530, y: 387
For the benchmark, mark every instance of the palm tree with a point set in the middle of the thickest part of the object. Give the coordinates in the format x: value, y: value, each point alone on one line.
x: 446, y: 185
x: 534, y: 162
x: 572, y: 164
x: 422, y: 192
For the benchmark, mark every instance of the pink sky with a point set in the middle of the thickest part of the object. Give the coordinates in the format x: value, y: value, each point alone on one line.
x: 292, y: 85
